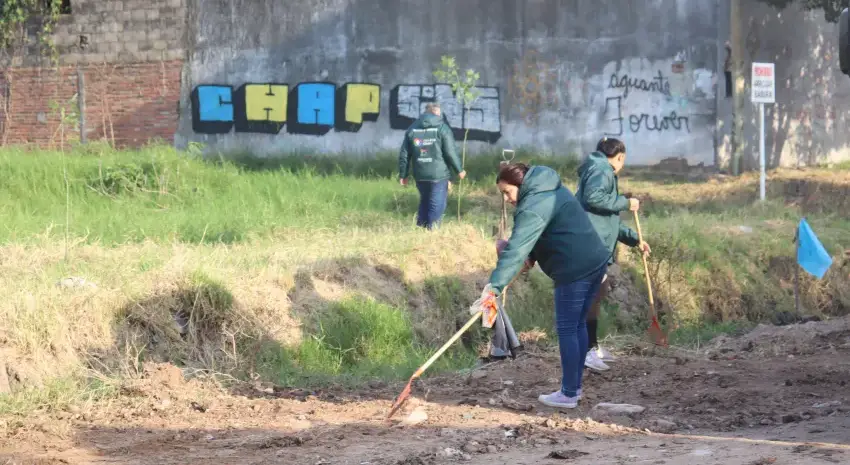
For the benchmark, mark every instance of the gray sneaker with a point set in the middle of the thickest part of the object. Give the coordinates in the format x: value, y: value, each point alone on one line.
x: 558, y: 400
x: 593, y: 362
x: 604, y: 355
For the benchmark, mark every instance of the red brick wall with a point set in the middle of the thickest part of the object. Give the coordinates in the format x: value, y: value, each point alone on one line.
x: 129, y: 104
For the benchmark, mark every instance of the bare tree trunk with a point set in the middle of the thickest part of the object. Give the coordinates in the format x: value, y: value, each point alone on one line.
x: 738, y: 142
x: 81, y: 103
x: 7, y: 107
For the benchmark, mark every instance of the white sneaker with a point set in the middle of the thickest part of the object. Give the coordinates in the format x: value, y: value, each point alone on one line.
x: 604, y: 355
x: 593, y: 362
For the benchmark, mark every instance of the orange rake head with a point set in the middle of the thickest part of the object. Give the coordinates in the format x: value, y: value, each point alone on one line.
x: 659, y: 337
x: 401, y: 399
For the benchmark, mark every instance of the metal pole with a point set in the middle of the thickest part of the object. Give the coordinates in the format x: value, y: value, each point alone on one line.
x: 81, y: 102
x: 797, y: 270
x: 763, y: 174
x: 737, y: 42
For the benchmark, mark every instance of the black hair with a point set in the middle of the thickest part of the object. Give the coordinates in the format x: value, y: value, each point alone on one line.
x: 611, y: 147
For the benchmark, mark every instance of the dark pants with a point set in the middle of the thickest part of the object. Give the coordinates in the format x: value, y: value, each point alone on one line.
x: 433, y: 197
x: 572, y: 302
x: 593, y: 315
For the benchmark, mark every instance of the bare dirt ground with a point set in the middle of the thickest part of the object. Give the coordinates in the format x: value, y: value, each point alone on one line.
x: 778, y: 395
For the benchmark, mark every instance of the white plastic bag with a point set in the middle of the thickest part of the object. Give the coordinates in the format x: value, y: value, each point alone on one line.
x: 487, y: 305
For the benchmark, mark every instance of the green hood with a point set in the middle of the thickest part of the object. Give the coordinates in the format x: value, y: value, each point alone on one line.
x: 596, y: 160
x: 550, y: 227
x: 430, y: 120
x: 599, y: 195
x: 538, y: 179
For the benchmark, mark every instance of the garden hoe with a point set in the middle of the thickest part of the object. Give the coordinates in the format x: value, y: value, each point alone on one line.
x: 655, y: 332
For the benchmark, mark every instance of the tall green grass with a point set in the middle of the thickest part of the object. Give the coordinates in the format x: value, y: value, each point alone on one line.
x: 157, y: 193
x: 356, y: 340
x: 721, y: 280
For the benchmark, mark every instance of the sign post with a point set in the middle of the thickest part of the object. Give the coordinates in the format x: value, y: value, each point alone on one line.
x: 763, y: 91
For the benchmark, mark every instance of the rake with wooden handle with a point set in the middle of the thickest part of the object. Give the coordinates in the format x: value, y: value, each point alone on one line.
x: 405, y: 393
x: 655, y: 332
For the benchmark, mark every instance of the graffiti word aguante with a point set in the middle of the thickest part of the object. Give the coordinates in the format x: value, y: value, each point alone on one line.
x: 659, y: 84
x: 317, y: 107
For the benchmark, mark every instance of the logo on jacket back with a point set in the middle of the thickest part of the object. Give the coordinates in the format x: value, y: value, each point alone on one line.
x: 424, y: 137
x: 423, y: 140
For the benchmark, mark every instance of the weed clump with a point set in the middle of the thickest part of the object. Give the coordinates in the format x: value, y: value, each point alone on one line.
x: 196, y: 324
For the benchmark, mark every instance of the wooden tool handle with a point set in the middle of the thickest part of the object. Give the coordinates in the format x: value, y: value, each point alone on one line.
x: 645, y: 268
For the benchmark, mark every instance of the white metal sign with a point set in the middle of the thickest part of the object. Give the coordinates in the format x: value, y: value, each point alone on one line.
x: 763, y: 83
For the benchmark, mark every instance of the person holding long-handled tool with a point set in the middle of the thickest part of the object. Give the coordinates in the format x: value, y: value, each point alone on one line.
x: 552, y: 229
x: 600, y: 197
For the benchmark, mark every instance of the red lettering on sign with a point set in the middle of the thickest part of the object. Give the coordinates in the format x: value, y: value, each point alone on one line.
x: 763, y: 71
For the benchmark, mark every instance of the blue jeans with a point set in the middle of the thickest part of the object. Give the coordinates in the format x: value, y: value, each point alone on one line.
x: 433, y: 197
x: 572, y: 302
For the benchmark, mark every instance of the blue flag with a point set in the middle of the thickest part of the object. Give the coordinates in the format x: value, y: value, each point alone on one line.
x: 811, y: 256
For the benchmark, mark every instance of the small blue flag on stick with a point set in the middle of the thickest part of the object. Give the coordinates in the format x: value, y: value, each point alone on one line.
x: 811, y: 255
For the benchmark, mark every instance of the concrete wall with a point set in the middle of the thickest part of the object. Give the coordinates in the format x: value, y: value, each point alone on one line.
x: 350, y: 75
x: 808, y: 124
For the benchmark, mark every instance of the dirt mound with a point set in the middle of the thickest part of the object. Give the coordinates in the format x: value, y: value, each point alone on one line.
x: 814, y: 337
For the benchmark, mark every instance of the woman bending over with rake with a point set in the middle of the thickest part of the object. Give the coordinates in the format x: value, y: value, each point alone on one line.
x: 552, y: 228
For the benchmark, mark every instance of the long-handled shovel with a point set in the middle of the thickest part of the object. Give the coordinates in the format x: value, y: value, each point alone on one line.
x: 655, y: 332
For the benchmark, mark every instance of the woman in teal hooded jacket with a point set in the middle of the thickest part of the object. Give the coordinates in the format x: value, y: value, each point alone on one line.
x: 551, y: 228
x: 600, y: 197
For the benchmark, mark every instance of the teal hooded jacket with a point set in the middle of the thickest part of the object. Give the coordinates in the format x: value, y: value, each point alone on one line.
x: 600, y: 197
x: 551, y: 227
x: 429, y: 147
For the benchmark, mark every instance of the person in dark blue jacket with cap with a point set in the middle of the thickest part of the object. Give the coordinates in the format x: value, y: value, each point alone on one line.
x: 552, y: 229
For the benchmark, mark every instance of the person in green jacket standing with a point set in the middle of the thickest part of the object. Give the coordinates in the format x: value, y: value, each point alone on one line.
x: 552, y: 229
x: 429, y: 147
x: 600, y: 197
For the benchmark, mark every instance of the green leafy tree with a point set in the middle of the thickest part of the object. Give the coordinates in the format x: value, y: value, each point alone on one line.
x: 464, y: 87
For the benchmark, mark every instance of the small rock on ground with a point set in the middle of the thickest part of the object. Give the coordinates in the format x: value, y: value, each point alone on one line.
x: 660, y: 425
x: 620, y: 408
x: 75, y: 283
x: 416, y: 417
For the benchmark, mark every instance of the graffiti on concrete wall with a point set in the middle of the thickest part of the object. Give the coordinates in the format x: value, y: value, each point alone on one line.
x: 638, y: 122
x: 315, y: 108
x: 534, y: 87
x: 646, y: 102
x: 482, y: 118
x: 307, y: 108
